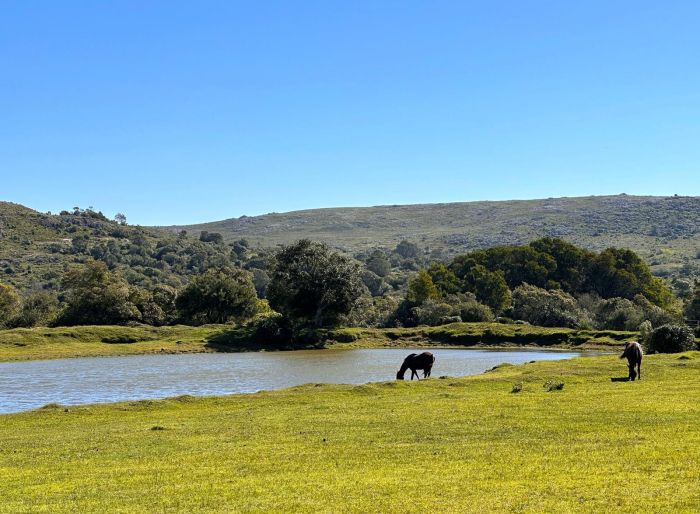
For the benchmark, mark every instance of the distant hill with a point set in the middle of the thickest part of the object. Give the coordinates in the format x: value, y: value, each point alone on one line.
x: 36, y: 248
x: 663, y: 230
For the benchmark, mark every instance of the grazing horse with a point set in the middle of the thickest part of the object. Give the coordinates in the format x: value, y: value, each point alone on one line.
x: 633, y: 353
x: 415, y: 362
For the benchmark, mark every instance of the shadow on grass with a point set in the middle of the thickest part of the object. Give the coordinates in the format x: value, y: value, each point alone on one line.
x: 620, y: 379
x: 243, y: 340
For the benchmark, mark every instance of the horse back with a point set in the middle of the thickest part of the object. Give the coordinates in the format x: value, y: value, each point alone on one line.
x: 633, y: 352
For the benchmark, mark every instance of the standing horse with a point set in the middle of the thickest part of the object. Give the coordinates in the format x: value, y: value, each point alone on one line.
x: 415, y: 362
x: 633, y: 353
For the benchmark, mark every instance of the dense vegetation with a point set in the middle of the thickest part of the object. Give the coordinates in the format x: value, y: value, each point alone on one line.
x: 452, y: 444
x: 111, y: 273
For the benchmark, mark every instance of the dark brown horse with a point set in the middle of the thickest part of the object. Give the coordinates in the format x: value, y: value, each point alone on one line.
x: 415, y: 362
x: 633, y: 353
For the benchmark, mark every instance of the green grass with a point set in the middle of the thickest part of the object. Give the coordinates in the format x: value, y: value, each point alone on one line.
x: 93, y: 341
x: 439, y: 445
x: 482, y: 334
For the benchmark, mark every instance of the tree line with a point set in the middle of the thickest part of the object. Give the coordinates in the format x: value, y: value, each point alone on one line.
x: 548, y: 282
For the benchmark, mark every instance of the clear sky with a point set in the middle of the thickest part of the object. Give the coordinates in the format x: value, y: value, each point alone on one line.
x: 180, y: 112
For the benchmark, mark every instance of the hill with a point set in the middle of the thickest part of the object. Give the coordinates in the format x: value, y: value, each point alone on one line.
x: 665, y: 231
x: 36, y: 248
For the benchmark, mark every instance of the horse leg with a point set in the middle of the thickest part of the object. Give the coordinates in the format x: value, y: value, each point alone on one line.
x: 413, y: 372
x: 639, y: 370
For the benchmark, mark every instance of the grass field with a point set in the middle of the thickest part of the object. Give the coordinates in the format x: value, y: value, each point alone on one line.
x: 439, y: 445
x: 92, y: 341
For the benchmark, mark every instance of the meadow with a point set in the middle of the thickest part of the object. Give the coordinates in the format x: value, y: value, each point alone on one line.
x: 441, y: 445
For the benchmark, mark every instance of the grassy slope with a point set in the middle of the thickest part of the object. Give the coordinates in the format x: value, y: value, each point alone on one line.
x: 440, y: 445
x: 663, y: 230
x: 63, y: 342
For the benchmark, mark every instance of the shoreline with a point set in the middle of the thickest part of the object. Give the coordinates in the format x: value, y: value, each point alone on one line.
x: 42, y: 343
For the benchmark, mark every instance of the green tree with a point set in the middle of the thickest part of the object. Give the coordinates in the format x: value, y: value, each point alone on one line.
x: 39, y: 308
x: 618, y: 272
x: 312, y: 285
x: 217, y: 296
x: 444, y: 279
x: 407, y: 250
x: 10, y: 304
x: 489, y: 287
x: 379, y: 264
x: 96, y: 297
x: 572, y: 263
x: 692, y: 309
x: 421, y: 288
x: 547, y: 308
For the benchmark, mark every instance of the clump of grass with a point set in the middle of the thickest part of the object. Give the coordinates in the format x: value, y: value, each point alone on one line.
x: 517, y: 387
x: 553, y: 385
x: 51, y: 406
x: 500, y: 366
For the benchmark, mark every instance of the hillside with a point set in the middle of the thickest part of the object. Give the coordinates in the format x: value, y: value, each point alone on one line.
x: 663, y: 230
x: 36, y: 248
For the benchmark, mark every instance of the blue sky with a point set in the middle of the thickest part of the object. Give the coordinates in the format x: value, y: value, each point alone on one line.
x: 182, y: 112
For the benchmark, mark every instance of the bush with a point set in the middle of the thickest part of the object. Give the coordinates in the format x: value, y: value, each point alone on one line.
x: 432, y: 312
x: 645, y: 330
x: 553, y: 385
x: 272, y: 329
x: 547, y: 308
x: 473, y: 311
x: 671, y: 339
x: 619, y: 314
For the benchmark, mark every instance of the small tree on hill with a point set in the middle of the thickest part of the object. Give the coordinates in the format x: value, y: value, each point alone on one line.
x: 379, y: 264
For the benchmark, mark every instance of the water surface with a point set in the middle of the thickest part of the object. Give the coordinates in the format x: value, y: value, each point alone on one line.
x: 32, y: 384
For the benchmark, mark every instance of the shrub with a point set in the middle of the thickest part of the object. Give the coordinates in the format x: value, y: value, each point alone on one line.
x: 553, y: 385
x: 272, y: 329
x: 547, y: 308
x: 671, y: 339
x: 619, y: 314
x: 645, y: 330
x: 432, y: 312
x: 471, y: 310
x: 10, y: 304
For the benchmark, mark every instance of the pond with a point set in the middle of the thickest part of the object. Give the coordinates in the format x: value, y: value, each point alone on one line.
x: 32, y: 384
